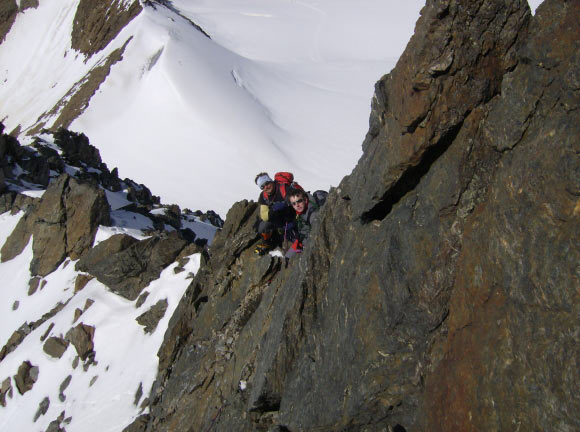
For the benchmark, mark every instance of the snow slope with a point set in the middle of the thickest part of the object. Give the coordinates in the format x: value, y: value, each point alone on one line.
x: 99, y: 397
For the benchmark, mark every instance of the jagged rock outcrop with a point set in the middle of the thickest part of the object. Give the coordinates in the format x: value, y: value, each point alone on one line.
x: 8, y: 11
x: 221, y: 318
x: 75, y: 187
x: 63, y: 224
x: 440, y: 289
x: 127, y: 265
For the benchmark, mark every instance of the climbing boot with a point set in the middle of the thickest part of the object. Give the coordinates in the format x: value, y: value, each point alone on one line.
x: 265, y: 244
x: 263, y: 248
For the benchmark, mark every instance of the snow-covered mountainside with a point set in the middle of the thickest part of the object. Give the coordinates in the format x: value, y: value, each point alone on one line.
x: 195, y: 98
x: 76, y: 352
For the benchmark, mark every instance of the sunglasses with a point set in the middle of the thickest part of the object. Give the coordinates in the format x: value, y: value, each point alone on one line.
x: 264, y: 185
x: 298, y: 201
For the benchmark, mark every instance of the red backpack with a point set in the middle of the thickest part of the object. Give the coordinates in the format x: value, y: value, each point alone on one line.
x: 284, y: 180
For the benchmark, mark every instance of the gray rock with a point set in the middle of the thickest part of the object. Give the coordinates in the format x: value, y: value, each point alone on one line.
x: 33, y: 285
x: 81, y: 281
x: 26, y: 377
x: 138, y: 394
x: 5, y: 390
x: 55, y: 346
x: 42, y: 408
x: 127, y: 266
x: 63, y: 224
x: 139, y: 425
x: 8, y: 12
x: 55, y: 425
x: 150, y: 319
x: 63, y: 386
x: 15, y: 339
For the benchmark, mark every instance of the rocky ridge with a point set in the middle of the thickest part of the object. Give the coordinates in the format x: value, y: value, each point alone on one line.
x: 440, y: 289
x: 65, y: 195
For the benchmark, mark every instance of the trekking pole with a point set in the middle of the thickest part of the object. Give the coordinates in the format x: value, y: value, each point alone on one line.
x: 285, y: 238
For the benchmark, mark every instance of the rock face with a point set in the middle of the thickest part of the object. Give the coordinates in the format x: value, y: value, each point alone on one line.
x: 440, y: 290
x: 97, y: 24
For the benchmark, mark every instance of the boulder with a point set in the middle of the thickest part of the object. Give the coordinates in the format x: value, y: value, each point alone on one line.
x: 15, y: 339
x: 63, y: 386
x: 26, y: 377
x: 5, y: 390
x: 81, y: 281
x: 81, y: 337
x: 151, y: 318
x: 63, y: 224
x: 55, y: 346
x: 127, y: 265
x: 55, y: 425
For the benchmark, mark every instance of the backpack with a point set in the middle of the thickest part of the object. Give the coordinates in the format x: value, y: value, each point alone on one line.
x: 285, y: 180
x: 320, y: 197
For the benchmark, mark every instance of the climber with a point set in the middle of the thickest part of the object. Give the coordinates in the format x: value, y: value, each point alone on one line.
x: 306, y: 209
x: 275, y: 213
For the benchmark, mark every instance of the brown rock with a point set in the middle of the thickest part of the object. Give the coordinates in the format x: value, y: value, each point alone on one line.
x: 33, y: 285
x: 5, y: 390
x: 55, y: 346
x: 95, y: 25
x: 151, y: 318
x: 81, y: 281
x: 26, y: 377
x: 81, y: 337
x: 8, y: 12
x: 127, y: 270
x: 63, y: 224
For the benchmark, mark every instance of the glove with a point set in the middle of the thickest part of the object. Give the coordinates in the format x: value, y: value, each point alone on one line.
x: 277, y: 206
